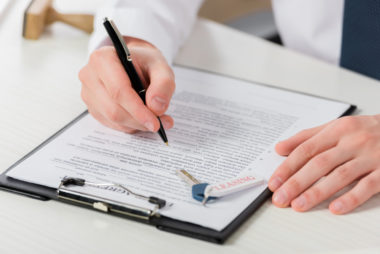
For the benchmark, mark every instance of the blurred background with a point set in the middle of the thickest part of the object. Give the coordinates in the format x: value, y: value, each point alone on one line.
x: 251, y: 16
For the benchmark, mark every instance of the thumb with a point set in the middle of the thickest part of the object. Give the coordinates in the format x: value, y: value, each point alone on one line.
x: 161, y: 87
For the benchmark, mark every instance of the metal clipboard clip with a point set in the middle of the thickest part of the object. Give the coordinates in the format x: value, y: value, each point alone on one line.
x: 104, y: 204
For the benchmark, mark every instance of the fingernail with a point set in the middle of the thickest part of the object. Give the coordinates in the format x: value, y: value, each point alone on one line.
x: 149, y: 126
x: 275, y: 183
x: 299, y: 202
x: 337, y: 206
x: 159, y: 103
x: 280, y: 197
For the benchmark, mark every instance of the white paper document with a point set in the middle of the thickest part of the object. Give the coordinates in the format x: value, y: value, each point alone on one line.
x: 223, y: 127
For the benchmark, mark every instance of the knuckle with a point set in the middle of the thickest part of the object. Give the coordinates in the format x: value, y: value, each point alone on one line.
x: 294, y: 186
x: 115, y: 93
x: 370, y: 183
x: 353, y: 200
x: 347, y: 123
x: 114, y: 114
x: 343, y: 173
x: 314, y: 194
x: 306, y: 149
x: 322, y: 161
x: 363, y: 137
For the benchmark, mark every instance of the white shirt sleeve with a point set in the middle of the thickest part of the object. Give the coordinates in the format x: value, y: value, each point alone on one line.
x: 311, y: 27
x: 164, y: 23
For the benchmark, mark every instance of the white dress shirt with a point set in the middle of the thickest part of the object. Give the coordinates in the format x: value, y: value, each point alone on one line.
x: 313, y: 27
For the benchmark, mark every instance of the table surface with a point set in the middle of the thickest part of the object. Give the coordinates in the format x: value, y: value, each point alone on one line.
x: 40, y: 93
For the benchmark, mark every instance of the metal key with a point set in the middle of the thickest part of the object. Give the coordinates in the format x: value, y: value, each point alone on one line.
x: 197, y: 188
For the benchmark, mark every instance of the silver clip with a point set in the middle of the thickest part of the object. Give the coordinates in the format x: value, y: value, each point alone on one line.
x: 104, y: 204
x: 126, y: 50
x: 101, y: 206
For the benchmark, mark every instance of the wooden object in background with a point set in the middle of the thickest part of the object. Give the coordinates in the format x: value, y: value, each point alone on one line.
x: 40, y: 13
x: 227, y: 10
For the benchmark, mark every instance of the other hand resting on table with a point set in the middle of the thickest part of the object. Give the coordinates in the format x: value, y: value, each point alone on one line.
x: 343, y: 150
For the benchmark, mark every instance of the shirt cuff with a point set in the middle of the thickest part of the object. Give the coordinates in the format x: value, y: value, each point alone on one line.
x: 138, y: 23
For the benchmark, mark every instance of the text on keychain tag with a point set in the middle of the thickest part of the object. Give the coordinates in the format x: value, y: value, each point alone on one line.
x: 239, y: 183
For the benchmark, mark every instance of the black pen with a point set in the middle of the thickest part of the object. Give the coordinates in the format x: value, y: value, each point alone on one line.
x: 126, y: 61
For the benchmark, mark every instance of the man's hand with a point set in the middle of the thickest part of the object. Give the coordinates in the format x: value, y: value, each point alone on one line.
x: 344, y: 150
x: 110, y: 98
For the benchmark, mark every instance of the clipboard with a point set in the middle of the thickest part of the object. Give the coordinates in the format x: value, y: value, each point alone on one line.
x: 44, y: 193
x: 161, y: 222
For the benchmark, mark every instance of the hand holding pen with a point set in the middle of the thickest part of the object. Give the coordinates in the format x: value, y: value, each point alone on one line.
x: 109, y: 94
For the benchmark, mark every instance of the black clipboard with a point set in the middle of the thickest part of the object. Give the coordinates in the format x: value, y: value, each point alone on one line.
x: 163, y: 223
x: 44, y: 193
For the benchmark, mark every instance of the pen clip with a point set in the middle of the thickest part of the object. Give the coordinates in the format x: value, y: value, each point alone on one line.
x: 119, y: 36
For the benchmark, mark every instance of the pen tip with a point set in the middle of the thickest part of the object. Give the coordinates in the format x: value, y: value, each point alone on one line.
x: 167, y: 143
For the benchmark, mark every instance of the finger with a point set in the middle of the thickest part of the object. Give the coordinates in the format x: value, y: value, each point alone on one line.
x: 97, y: 100
x: 111, y: 125
x: 311, y: 172
x: 167, y: 121
x: 323, y: 140
x: 118, y: 86
x: 285, y: 147
x: 364, y: 189
x: 331, y: 184
x: 161, y: 87
x: 93, y: 97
